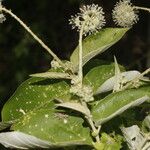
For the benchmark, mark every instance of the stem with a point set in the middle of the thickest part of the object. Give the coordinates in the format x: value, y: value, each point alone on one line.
x: 80, y: 72
x: 32, y: 34
x: 94, y: 129
x: 136, y: 79
x: 142, y: 8
x: 90, y: 121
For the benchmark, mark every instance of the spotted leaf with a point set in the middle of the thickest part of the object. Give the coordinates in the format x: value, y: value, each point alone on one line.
x: 31, y: 94
x: 56, y: 127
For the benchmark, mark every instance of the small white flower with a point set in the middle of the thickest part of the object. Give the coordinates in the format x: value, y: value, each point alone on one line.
x: 92, y: 16
x: 124, y: 14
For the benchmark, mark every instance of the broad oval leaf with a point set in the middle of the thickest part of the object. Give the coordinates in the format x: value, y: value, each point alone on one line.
x: 98, y: 75
x: 53, y: 126
x: 116, y: 103
x: 31, y: 94
x: 97, y: 43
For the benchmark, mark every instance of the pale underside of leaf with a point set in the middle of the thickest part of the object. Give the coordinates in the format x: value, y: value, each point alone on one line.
x: 109, y: 84
x: 52, y: 75
x: 146, y: 123
x: 122, y: 109
x: 75, y: 106
x: 20, y: 140
x: 136, y: 140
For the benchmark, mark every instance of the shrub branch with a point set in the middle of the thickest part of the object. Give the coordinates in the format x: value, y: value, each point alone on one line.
x: 33, y: 35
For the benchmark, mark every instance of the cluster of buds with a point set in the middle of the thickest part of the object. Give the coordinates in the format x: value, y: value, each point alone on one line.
x: 84, y: 92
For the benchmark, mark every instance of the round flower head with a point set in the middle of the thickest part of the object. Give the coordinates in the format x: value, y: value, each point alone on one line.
x: 124, y: 14
x: 91, y: 17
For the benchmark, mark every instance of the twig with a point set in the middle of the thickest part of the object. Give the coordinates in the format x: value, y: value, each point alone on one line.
x: 33, y: 35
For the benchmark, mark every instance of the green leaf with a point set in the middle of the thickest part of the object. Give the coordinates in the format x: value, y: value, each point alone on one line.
x: 98, y: 75
x: 116, y: 103
x: 94, y: 63
x: 53, y: 126
x: 107, y: 143
x: 31, y: 94
x: 97, y: 43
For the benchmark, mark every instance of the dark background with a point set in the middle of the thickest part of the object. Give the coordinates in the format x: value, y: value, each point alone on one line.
x: 21, y: 55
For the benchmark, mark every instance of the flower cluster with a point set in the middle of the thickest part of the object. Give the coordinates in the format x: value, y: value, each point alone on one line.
x: 84, y: 92
x: 124, y: 14
x: 2, y: 17
x: 91, y: 19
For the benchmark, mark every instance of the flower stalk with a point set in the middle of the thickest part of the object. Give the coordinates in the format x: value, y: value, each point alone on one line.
x: 95, y: 131
x: 80, y: 72
x: 88, y: 21
x: 142, y: 8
